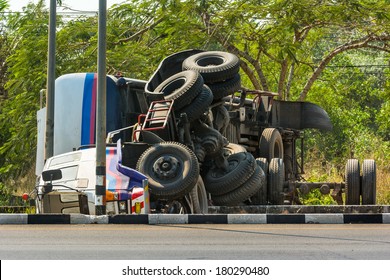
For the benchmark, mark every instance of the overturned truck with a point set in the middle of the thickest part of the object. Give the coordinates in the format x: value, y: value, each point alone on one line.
x: 198, y: 138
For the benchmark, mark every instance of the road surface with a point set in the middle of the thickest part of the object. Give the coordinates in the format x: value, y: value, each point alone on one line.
x: 195, y: 242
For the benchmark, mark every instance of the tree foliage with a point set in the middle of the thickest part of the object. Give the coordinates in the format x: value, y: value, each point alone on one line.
x: 26, y: 76
x: 3, y: 52
x: 3, y: 4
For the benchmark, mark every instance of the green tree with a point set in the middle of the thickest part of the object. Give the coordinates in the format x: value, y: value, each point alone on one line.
x: 3, y: 51
x: 3, y: 5
x: 284, y: 45
x: 278, y: 40
x: 26, y: 76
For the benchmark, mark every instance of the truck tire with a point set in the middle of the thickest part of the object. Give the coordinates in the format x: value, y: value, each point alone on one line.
x: 241, y: 168
x: 276, y: 181
x: 225, y: 88
x: 261, y: 197
x: 271, y: 144
x: 352, y: 182
x: 369, y: 182
x: 172, y: 169
x: 214, y: 66
x: 198, y: 105
x: 182, y: 87
x: 243, y: 192
x: 199, y: 198
x: 232, y: 148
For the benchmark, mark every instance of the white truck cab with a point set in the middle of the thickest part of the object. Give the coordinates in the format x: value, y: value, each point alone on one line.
x: 68, y: 180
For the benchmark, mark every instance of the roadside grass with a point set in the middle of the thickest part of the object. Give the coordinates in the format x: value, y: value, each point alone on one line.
x: 11, y: 194
x: 383, y: 187
x: 26, y: 183
x: 17, y: 209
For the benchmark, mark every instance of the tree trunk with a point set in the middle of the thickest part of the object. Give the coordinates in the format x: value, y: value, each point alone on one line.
x: 289, y: 82
x: 282, y: 78
x: 251, y: 75
x: 255, y: 63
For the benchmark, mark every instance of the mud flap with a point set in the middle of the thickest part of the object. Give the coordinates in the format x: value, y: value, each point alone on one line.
x: 299, y: 115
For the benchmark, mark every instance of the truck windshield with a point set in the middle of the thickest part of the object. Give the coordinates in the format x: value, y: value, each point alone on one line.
x: 60, y: 160
x: 69, y: 173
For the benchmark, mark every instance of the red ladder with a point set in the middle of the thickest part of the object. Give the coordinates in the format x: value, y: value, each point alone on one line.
x: 155, y: 119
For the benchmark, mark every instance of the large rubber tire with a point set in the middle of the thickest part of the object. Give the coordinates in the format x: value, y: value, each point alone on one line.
x: 352, y: 182
x: 172, y: 169
x: 271, y: 144
x: 214, y: 66
x: 276, y: 181
x: 199, y: 198
x: 243, y: 192
x: 369, y: 182
x: 241, y: 168
x: 199, y: 104
x: 225, y: 88
x: 261, y: 197
x: 182, y: 87
x: 232, y: 148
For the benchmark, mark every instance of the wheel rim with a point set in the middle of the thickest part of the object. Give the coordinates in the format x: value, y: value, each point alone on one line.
x: 166, y: 167
x: 172, y: 169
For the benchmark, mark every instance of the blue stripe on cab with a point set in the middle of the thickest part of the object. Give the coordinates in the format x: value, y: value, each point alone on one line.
x: 87, y: 107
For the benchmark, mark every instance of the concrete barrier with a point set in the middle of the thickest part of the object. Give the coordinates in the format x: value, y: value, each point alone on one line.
x: 152, y: 219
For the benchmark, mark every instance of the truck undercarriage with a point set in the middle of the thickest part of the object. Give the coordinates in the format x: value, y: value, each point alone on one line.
x: 201, y: 139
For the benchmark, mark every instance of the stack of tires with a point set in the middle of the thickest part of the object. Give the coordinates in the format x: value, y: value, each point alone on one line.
x: 226, y: 171
x: 241, y: 180
x: 271, y: 153
x: 206, y: 78
x: 219, y: 71
x: 189, y: 92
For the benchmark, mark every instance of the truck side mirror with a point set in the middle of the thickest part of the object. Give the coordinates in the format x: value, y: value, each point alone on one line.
x: 51, y: 175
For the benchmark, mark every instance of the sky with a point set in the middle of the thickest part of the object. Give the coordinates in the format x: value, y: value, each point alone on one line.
x: 83, y: 5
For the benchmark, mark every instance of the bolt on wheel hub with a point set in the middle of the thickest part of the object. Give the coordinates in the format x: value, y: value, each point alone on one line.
x: 166, y: 167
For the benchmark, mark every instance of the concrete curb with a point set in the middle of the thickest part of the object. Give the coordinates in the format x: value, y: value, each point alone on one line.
x: 13, y: 219
x: 153, y: 219
x: 247, y: 219
x: 324, y: 218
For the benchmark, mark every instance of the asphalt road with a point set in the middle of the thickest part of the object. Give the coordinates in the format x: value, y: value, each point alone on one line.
x: 195, y: 242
